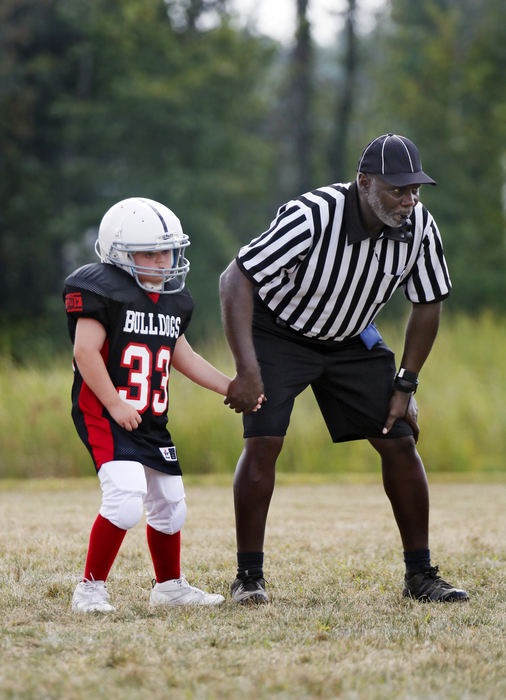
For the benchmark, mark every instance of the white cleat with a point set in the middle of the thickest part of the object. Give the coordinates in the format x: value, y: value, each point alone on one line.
x: 179, y: 592
x: 91, y: 596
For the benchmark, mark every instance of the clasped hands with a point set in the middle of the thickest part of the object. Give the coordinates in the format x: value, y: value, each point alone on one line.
x: 245, y: 393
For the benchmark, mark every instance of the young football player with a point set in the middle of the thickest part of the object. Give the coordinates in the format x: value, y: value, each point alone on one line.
x: 127, y: 317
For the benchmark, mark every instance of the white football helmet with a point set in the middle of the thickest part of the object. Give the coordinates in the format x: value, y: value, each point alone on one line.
x: 137, y: 225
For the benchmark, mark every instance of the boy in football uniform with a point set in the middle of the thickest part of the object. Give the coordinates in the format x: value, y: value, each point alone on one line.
x: 127, y: 317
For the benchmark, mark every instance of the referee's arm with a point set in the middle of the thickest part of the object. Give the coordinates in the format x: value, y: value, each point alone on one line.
x: 236, y: 294
x: 421, y: 331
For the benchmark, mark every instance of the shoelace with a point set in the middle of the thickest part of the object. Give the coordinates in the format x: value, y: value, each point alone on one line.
x: 99, y: 594
x: 432, y: 573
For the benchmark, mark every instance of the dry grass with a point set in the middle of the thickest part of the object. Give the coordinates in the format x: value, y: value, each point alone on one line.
x: 337, y: 626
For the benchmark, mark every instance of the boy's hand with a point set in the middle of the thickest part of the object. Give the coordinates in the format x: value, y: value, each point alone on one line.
x: 125, y: 415
x: 260, y: 401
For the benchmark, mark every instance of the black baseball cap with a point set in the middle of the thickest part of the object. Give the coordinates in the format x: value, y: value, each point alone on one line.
x: 395, y: 159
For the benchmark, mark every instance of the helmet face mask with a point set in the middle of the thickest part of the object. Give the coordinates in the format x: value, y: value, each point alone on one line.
x: 140, y: 225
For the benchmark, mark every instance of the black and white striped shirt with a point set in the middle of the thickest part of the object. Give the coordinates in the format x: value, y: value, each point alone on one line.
x: 318, y: 269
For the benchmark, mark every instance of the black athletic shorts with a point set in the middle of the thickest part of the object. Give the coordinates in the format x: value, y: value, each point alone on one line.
x: 352, y: 384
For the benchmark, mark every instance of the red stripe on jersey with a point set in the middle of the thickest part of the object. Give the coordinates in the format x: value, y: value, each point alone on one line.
x: 98, y: 427
x: 154, y: 296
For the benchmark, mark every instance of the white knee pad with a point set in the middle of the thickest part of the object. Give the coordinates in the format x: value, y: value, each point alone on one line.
x: 165, y: 502
x: 123, y: 489
x: 169, y: 518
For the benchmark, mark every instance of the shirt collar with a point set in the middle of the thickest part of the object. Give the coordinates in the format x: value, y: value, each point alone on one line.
x: 354, y: 228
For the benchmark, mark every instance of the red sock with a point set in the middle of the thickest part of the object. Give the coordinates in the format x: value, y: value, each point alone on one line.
x: 165, y: 553
x: 105, y: 541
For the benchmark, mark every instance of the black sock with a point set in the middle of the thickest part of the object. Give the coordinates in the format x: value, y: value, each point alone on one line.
x: 250, y: 563
x: 416, y: 560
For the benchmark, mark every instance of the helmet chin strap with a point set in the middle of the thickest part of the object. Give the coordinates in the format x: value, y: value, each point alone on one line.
x: 152, y: 287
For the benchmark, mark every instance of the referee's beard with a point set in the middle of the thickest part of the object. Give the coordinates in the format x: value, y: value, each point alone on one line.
x: 384, y: 215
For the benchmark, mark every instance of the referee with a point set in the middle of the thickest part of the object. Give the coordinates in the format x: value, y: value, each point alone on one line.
x: 298, y: 305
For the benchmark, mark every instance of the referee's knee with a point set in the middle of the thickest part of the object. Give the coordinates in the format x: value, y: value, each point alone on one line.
x: 397, y: 449
x: 262, y: 450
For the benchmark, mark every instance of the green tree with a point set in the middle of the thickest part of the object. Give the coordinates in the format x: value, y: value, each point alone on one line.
x: 440, y: 80
x: 338, y: 146
x: 301, y: 98
x: 105, y: 99
x: 34, y: 71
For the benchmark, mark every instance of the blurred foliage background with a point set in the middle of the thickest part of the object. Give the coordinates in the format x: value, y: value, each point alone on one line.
x: 180, y: 101
x: 173, y: 100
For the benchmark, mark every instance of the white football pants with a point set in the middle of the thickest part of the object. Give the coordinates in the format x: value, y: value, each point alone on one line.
x: 128, y: 487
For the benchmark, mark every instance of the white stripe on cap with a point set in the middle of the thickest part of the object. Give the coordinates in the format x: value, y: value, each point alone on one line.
x: 407, y: 151
x: 383, y: 155
x: 365, y: 151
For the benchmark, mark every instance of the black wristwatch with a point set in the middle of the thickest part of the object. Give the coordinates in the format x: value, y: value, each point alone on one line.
x: 406, y: 381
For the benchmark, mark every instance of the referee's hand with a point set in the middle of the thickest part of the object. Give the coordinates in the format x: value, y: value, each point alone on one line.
x: 403, y: 405
x: 245, y: 393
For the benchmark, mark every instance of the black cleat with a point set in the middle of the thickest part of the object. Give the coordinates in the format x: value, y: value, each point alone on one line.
x: 427, y: 586
x: 249, y: 590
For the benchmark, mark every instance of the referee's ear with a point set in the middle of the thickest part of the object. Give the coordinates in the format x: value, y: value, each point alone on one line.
x: 363, y: 181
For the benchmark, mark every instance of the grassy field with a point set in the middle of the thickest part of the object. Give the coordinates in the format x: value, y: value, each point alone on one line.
x: 337, y: 626
x: 461, y: 401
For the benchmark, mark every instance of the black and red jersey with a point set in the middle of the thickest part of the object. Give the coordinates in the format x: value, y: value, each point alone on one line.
x: 142, y: 329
